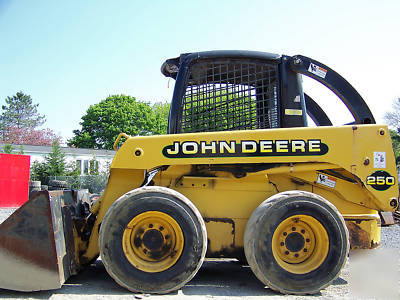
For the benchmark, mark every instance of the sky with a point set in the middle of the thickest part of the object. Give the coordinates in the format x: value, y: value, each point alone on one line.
x: 69, y: 55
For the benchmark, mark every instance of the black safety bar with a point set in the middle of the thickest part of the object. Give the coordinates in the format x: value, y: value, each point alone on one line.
x: 337, y: 84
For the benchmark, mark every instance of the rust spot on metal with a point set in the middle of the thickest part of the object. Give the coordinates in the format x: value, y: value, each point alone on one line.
x: 224, y: 251
x: 222, y: 220
x: 359, y: 238
x: 373, y: 245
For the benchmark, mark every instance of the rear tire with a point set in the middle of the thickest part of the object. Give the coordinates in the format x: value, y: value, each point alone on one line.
x: 296, y: 242
x: 152, y: 240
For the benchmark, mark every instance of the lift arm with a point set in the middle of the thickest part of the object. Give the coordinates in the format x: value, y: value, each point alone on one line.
x: 337, y: 84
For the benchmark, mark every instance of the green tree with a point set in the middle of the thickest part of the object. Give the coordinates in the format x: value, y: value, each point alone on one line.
x: 53, y: 165
x: 392, y: 118
x: 222, y: 113
x: 39, y: 172
x: 396, y: 145
x: 161, y: 111
x: 55, y: 161
x: 119, y: 113
x: 19, y: 120
x: 20, y: 112
x: 8, y: 148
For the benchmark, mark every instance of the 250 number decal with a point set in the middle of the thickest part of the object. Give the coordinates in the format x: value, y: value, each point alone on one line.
x: 381, y: 180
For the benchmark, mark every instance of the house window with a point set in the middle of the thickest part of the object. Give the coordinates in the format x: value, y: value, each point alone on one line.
x: 79, y: 166
x: 87, y: 167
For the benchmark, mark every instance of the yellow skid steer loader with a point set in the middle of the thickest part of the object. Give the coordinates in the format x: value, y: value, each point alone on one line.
x: 239, y: 175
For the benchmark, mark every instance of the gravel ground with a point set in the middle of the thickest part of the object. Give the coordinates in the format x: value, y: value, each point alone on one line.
x: 367, y: 275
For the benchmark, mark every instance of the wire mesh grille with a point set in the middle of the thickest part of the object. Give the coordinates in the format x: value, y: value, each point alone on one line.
x: 230, y: 95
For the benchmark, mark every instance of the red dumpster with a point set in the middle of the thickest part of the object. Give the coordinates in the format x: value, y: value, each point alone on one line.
x: 14, y: 179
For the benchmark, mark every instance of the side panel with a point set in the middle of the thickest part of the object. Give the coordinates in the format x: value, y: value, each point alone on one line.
x: 361, y: 150
x: 292, y: 159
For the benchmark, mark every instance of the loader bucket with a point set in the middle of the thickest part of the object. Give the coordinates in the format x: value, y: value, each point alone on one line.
x: 37, y: 245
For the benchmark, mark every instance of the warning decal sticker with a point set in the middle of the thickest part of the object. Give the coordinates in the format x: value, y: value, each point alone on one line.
x: 326, y: 180
x: 317, y: 70
x: 380, y: 160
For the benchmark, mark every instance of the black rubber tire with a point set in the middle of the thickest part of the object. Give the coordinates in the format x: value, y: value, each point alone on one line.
x: 34, y: 186
x: 58, y: 184
x: 164, y: 200
x: 258, y: 242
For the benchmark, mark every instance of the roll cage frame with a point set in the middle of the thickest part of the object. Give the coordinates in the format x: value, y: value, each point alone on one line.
x: 290, y: 93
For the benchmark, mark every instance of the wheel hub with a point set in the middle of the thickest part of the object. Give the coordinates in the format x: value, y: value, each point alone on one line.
x: 153, y: 241
x: 300, y: 244
x: 294, y: 242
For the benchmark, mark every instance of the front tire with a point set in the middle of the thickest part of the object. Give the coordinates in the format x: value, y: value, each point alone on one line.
x: 152, y: 240
x: 296, y: 242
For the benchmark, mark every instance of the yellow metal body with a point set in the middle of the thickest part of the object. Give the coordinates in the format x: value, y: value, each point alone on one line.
x: 338, y: 163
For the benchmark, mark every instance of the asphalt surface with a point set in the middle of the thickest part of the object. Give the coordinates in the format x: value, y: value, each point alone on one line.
x: 371, y: 274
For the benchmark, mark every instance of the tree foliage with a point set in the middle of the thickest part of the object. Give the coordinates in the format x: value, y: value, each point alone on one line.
x: 19, y: 120
x: 222, y: 113
x: 396, y: 145
x: 8, y: 148
x: 20, y: 112
x: 29, y: 136
x: 55, y: 160
x: 161, y: 114
x: 54, y: 165
x: 392, y: 118
x: 104, y: 121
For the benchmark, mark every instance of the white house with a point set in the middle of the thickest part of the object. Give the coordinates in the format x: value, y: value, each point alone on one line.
x: 85, y: 159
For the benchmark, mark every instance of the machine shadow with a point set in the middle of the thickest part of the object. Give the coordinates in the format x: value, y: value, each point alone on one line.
x: 226, y: 278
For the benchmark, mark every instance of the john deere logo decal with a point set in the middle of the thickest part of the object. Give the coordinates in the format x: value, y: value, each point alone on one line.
x: 381, y: 180
x: 190, y: 149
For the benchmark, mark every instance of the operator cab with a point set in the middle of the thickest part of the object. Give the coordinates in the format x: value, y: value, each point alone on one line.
x: 247, y: 90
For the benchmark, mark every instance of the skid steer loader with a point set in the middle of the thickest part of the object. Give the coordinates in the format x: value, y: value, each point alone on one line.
x: 239, y: 175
